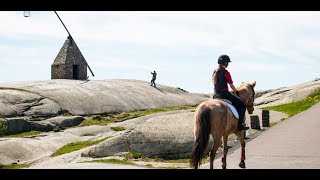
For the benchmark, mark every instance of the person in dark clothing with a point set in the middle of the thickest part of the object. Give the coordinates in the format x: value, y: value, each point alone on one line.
x: 154, y: 77
x: 221, y: 78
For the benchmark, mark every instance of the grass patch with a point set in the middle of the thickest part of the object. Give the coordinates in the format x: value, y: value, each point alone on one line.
x: 24, y: 134
x: 112, y: 161
x: 149, y: 165
x: 136, y: 155
x: 274, y: 123
x: 182, y: 160
x: 282, y: 119
x: 173, y: 167
x: 15, y: 166
x: 297, y: 107
x: 172, y: 163
x: 118, y: 128
x: 105, y: 120
x: 76, y: 146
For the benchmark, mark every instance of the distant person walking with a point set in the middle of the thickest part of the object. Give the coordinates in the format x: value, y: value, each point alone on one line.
x: 154, y: 77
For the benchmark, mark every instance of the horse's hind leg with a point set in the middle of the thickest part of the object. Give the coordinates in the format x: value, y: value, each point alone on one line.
x: 225, y: 152
x: 216, y: 145
x: 243, y: 145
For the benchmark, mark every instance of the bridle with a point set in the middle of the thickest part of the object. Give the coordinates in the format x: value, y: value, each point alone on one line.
x: 253, y: 94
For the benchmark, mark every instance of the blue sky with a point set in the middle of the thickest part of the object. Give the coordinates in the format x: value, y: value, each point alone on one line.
x: 273, y: 48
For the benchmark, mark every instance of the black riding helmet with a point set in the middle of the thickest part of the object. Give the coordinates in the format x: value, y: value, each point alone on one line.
x: 224, y: 60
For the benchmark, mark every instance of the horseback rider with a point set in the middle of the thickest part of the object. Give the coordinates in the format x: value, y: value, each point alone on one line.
x: 221, y: 78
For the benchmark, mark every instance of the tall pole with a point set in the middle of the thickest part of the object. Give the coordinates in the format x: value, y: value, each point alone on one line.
x: 62, y: 23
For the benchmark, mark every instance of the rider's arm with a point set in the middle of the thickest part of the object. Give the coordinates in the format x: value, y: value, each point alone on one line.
x: 229, y: 80
x: 232, y: 87
x: 235, y: 91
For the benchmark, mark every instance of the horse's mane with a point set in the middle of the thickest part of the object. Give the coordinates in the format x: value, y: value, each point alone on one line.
x: 243, y: 85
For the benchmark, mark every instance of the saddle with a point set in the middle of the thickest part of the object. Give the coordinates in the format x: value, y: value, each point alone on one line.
x: 230, y: 106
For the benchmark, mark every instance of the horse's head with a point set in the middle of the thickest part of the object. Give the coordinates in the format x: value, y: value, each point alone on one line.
x: 246, y: 92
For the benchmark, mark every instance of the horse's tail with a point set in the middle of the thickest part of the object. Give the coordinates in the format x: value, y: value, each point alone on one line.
x: 203, y: 128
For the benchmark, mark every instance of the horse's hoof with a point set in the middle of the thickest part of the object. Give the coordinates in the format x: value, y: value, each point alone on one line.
x: 224, y: 167
x: 242, y: 165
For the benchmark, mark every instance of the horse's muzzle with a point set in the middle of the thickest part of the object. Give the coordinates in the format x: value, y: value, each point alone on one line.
x: 250, y: 111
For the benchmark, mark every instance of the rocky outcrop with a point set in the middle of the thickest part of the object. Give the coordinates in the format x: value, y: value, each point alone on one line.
x: 19, y: 102
x: 30, y: 105
x: 285, y: 95
x: 109, y: 147
x: 169, y: 136
x: 65, y: 121
x: 19, y: 125
x: 50, y: 98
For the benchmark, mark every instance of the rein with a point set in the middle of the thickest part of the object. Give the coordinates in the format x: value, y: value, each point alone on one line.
x: 254, y: 93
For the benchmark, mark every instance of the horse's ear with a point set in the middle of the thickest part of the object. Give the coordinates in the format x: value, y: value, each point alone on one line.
x: 254, y: 84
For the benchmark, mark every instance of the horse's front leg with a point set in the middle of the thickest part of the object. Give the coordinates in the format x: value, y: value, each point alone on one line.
x: 243, y: 151
x: 225, y: 152
x: 242, y: 164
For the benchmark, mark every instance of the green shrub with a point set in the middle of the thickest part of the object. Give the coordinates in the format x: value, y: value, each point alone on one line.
x: 133, y: 155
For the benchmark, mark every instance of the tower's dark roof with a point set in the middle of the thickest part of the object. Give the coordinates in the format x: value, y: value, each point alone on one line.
x: 69, y: 54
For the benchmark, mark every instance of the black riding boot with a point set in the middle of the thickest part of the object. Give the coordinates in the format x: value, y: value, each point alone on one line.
x: 241, y: 118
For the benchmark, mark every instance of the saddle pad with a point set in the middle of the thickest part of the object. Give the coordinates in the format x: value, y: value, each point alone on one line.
x: 233, y: 110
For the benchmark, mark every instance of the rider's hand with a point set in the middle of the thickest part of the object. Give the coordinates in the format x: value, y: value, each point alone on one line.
x: 235, y: 92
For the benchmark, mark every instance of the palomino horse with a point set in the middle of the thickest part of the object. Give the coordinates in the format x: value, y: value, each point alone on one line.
x: 214, y: 117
